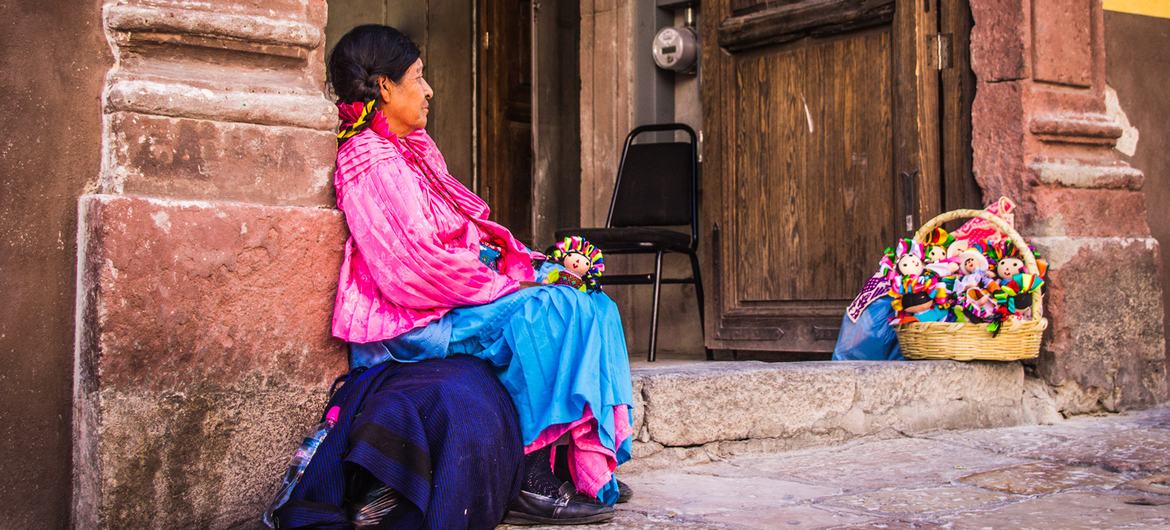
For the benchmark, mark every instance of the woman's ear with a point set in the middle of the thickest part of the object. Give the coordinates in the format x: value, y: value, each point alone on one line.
x: 385, y: 88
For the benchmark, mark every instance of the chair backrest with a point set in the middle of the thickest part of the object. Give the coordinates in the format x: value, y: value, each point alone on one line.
x: 657, y: 182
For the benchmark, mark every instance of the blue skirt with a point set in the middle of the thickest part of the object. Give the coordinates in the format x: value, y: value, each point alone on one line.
x: 555, y: 349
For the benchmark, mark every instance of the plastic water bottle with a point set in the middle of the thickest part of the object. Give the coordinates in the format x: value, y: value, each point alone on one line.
x: 300, y: 460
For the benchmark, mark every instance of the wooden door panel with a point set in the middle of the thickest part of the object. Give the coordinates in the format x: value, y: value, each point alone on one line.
x: 740, y: 7
x: 812, y: 110
x: 814, y: 168
x: 505, y: 113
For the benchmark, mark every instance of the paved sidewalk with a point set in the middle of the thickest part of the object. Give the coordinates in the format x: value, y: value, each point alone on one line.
x: 1094, y: 472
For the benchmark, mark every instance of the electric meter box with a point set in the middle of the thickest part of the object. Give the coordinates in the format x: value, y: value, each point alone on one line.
x: 676, y: 49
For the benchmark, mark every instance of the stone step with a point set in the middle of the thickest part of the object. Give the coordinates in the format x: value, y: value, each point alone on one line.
x: 692, y: 412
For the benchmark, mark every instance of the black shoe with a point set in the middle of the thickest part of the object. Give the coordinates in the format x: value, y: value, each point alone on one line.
x: 568, y: 507
x: 624, y: 492
x: 561, y: 470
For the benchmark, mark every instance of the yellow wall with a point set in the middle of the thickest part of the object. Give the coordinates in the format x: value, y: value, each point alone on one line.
x: 1150, y: 8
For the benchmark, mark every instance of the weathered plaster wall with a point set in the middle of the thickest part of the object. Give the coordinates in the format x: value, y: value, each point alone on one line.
x: 208, y: 255
x: 50, y: 152
x: 1042, y: 136
x: 1137, y: 49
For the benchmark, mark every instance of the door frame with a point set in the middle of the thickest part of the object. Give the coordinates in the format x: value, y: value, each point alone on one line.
x: 554, y: 99
x: 919, y: 143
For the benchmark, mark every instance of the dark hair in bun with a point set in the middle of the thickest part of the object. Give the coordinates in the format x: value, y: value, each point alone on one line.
x: 365, y: 53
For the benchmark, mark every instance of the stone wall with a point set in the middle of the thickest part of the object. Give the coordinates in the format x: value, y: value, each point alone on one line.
x: 1137, y: 49
x: 1042, y: 136
x: 208, y: 257
x: 55, y: 60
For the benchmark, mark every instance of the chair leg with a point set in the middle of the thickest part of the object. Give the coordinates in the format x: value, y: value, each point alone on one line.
x: 654, y: 312
x: 699, y: 295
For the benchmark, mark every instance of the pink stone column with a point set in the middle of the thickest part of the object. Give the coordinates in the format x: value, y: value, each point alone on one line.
x: 209, y: 250
x: 1041, y: 136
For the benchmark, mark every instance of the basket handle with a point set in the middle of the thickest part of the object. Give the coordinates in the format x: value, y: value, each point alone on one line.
x: 999, y: 223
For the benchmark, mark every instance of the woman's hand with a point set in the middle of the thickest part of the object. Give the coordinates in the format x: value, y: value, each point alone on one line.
x: 524, y: 284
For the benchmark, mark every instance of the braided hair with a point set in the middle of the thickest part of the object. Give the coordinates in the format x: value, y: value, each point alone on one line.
x: 359, y: 59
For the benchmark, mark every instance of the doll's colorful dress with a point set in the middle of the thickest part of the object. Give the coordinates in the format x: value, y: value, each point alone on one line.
x: 412, y: 287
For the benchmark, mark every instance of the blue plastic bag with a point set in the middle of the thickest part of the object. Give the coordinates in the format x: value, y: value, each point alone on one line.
x: 871, y: 338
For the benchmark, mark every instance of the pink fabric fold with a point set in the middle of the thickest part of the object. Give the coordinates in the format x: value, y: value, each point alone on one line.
x: 590, y: 463
x: 413, y: 250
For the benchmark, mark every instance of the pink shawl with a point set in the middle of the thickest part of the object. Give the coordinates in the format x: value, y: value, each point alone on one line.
x: 413, y: 250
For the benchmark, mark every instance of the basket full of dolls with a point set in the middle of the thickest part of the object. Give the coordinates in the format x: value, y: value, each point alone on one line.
x: 974, y: 294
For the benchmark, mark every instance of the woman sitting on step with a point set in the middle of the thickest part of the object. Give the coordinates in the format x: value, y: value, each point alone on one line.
x: 413, y: 287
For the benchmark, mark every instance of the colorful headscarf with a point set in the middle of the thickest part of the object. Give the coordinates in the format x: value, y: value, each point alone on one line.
x: 357, y: 116
x: 978, y: 229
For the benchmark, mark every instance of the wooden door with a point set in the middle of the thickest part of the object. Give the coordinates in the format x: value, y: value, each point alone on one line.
x: 504, y: 95
x: 821, y: 148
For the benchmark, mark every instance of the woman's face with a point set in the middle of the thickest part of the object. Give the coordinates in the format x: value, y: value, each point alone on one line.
x: 406, y: 104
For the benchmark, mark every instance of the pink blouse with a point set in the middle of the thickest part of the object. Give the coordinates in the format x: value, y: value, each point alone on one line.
x: 413, y: 250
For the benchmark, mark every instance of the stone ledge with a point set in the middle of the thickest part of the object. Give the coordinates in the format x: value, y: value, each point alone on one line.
x: 186, y: 21
x: 701, y: 411
x: 1088, y: 174
x: 188, y: 98
x: 205, y: 159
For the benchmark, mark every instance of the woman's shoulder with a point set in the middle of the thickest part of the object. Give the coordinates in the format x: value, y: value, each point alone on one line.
x: 360, y: 155
x: 365, y: 147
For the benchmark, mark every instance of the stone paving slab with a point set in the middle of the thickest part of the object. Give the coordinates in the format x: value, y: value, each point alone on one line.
x: 867, y: 465
x: 1042, y: 477
x: 1096, y: 472
x: 1069, y: 511
x: 917, y: 502
x: 1134, y: 443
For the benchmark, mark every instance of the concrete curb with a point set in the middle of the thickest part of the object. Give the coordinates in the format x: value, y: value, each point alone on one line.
x: 693, y: 413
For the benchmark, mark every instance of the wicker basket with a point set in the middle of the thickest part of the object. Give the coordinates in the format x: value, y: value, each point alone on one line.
x: 969, y: 341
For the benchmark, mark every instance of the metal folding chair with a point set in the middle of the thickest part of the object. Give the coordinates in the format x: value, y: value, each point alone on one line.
x: 655, y: 195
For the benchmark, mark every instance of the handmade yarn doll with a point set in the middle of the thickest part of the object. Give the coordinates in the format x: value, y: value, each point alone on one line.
x: 1008, y: 262
x: 920, y: 298
x: 938, y: 256
x: 936, y: 245
x: 915, y: 291
x: 904, y: 259
x: 583, y: 263
x: 974, y: 287
x: 1014, y: 297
